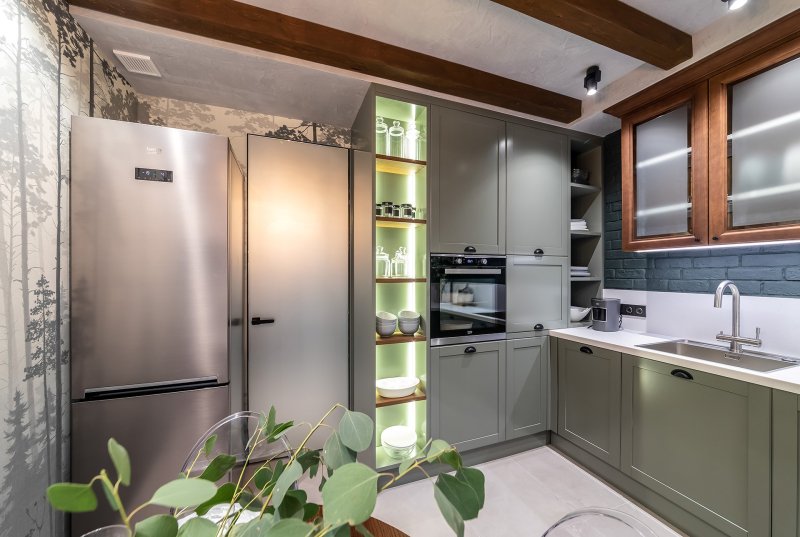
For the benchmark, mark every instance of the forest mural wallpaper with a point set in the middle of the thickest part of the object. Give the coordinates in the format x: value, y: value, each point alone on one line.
x: 49, y: 71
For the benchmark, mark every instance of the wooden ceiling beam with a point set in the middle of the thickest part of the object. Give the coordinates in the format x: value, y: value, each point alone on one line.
x: 251, y: 26
x: 613, y: 24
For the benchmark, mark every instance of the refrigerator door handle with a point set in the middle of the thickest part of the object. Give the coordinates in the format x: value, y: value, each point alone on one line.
x: 107, y: 392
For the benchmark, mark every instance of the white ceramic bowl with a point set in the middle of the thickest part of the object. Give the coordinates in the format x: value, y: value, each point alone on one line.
x: 408, y: 315
x: 577, y: 314
x: 386, y: 330
x: 398, y: 438
x: 408, y: 327
x: 385, y: 316
x: 399, y: 453
x: 396, y: 386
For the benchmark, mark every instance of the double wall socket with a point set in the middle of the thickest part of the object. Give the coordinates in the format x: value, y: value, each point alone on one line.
x: 633, y: 310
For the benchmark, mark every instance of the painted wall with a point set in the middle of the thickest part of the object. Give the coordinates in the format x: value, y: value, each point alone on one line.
x: 48, y: 72
x: 757, y: 270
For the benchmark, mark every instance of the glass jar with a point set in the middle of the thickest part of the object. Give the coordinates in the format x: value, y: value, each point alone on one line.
x: 395, y: 211
x: 383, y: 266
x: 386, y: 208
x: 406, y: 211
x: 378, y: 209
x: 396, y: 144
x: 400, y: 263
x: 412, y: 142
x: 381, y: 136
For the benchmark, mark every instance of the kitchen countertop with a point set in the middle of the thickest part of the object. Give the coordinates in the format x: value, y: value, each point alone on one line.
x: 625, y: 341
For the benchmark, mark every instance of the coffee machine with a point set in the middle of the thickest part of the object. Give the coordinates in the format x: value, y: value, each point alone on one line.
x: 606, y: 314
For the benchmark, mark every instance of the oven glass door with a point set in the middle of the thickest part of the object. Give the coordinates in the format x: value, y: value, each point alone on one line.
x: 467, y: 303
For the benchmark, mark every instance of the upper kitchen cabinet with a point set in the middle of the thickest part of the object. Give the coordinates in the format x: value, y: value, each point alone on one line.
x: 664, y: 172
x: 755, y: 149
x: 537, y: 200
x: 468, y: 160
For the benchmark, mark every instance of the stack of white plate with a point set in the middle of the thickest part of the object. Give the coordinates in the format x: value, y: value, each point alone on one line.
x: 409, y: 321
x: 396, y: 386
x: 399, y: 441
x: 385, y: 323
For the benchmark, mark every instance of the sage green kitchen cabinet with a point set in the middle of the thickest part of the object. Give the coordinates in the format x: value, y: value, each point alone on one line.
x: 537, y: 192
x: 467, y: 388
x: 538, y: 293
x: 526, y: 386
x: 699, y: 440
x: 589, y: 399
x: 785, y: 464
x: 468, y: 182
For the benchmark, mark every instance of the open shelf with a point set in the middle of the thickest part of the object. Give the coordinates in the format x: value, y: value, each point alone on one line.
x: 418, y: 395
x: 582, y: 279
x: 580, y: 233
x: 400, y: 280
x: 578, y: 189
x: 398, y: 337
x: 399, y: 223
x: 398, y: 165
x: 384, y: 462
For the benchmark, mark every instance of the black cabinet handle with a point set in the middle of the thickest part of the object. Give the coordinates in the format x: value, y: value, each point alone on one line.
x: 539, y: 326
x: 258, y: 320
x: 681, y: 374
x: 538, y: 251
x: 470, y: 350
x: 587, y: 350
x: 470, y: 250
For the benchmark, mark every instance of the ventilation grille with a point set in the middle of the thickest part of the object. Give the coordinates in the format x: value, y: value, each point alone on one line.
x: 137, y: 63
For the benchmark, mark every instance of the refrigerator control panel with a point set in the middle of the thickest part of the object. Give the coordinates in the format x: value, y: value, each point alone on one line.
x: 151, y: 174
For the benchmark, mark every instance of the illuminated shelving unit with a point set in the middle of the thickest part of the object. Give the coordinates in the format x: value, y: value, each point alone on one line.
x: 401, y: 177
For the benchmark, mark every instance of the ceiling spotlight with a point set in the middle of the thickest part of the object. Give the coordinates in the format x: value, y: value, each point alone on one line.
x: 592, y: 78
x: 733, y: 5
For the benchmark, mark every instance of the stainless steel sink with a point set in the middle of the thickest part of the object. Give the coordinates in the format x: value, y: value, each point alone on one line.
x: 753, y: 360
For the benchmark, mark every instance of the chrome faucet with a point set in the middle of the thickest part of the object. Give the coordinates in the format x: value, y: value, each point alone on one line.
x: 735, y: 338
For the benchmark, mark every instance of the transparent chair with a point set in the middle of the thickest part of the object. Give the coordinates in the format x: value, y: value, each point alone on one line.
x: 598, y: 522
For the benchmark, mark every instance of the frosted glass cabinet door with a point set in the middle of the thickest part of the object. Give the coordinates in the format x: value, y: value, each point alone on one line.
x: 664, y: 173
x: 756, y: 137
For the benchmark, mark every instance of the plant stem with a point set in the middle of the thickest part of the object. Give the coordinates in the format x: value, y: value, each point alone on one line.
x: 114, y: 488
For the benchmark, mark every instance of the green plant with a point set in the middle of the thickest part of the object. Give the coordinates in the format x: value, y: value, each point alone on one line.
x: 349, y: 489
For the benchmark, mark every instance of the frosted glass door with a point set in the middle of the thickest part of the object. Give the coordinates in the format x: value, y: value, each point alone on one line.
x: 663, y: 174
x: 764, y: 142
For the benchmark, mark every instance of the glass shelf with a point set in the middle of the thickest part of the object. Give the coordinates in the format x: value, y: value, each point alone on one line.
x: 399, y: 223
x: 398, y: 337
x: 400, y: 280
x: 398, y: 165
x: 418, y: 395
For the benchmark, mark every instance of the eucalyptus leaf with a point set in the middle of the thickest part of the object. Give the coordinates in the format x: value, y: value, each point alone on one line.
x: 449, y: 512
x: 406, y: 464
x: 460, y: 494
x: 255, y: 528
x: 218, y: 467
x: 122, y: 462
x: 157, y: 526
x: 310, y: 511
x: 184, y: 493
x: 475, y: 480
x: 291, y: 474
x: 270, y: 420
x: 107, y: 492
x: 335, y: 453
x: 438, y: 447
x: 291, y: 527
x: 349, y: 495
x: 248, y: 501
x: 363, y: 531
x: 279, y: 430
x: 209, y: 444
x: 262, y: 477
x: 198, y: 527
x: 308, y: 458
x: 292, y: 505
x: 72, y: 497
x: 224, y: 494
x: 356, y: 430
x: 452, y: 459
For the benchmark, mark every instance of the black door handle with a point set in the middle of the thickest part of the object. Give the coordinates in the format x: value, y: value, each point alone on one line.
x: 258, y: 320
x: 538, y: 251
x: 586, y: 350
x: 470, y: 350
x: 470, y: 250
x: 539, y: 326
x: 681, y: 374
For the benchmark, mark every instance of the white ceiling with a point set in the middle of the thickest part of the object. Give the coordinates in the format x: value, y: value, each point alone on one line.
x: 477, y: 33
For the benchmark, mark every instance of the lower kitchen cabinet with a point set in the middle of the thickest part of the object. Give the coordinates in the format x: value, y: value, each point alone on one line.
x: 589, y: 399
x: 539, y: 300
x: 785, y: 464
x: 526, y: 386
x: 701, y: 441
x: 468, y: 387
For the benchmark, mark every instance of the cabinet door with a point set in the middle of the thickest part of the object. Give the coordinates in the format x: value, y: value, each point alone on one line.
x: 467, y: 391
x: 754, y: 183
x: 665, y: 173
x: 468, y: 184
x: 526, y: 386
x: 537, y: 195
x: 785, y: 464
x: 589, y: 398
x: 537, y: 293
x: 699, y: 440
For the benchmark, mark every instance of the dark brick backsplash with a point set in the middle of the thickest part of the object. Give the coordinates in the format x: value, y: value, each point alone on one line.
x: 772, y: 270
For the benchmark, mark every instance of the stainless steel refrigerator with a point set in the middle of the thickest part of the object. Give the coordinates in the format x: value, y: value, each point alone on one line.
x: 152, y: 219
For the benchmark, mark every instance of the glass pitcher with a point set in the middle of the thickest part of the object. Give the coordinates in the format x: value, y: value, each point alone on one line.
x: 396, y: 140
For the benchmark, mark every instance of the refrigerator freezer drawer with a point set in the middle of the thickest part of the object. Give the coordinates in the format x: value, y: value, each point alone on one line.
x: 157, y: 430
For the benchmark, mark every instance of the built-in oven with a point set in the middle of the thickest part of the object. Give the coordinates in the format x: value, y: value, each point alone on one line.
x: 468, y: 299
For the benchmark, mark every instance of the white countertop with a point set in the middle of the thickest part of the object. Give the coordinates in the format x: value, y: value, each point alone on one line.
x: 625, y: 341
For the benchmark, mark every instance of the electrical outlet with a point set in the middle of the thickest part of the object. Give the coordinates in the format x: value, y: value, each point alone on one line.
x: 633, y: 310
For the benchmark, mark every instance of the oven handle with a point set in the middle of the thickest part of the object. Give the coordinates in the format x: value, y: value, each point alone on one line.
x: 473, y: 271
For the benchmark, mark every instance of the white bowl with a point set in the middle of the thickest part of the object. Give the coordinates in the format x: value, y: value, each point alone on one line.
x: 386, y: 330
x: 396, y: 386
x: 399, y: 437
x: 399, y: 453
x: 408, y: 315
x: 408, y: 328
x: 576, y: 314
x: 385, y: 316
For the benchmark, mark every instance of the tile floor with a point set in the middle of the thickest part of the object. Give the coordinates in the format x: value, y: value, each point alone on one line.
x: 525, y: 494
